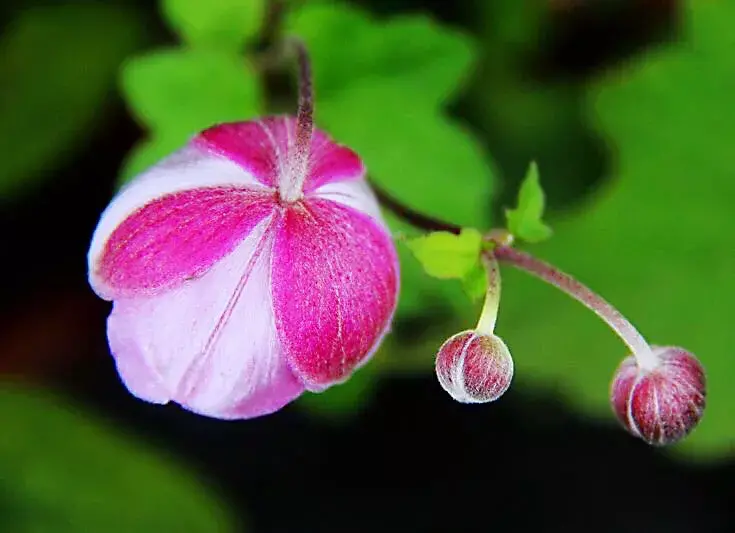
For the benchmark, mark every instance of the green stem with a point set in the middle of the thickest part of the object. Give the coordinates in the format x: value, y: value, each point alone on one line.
x: 489, y: 314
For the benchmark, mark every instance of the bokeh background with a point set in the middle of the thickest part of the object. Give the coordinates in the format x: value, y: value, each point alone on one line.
x: 626, y: 105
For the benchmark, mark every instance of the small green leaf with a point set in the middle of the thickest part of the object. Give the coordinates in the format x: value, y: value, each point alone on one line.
x: 221, y: 24
x: 448, y: 256
x: 525, y: 222
x: 65, y: 471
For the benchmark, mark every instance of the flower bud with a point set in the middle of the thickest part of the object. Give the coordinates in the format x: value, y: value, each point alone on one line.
x: 660, y: 405
x: 238, y: 282
x: 474, y: 367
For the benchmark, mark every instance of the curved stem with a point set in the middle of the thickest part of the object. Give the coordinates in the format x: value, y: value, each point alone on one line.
x: 275, y: 10
x: 298, y: 157
x: 625, y: 330
x: 489, y: 314
x: 413, y: 217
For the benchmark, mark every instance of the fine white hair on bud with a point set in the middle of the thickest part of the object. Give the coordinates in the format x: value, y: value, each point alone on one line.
x: 474, y: 367
x: 663, y: 404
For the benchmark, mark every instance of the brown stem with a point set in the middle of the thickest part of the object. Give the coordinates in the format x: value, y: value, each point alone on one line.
x: 299, y: 152
x: 275, y: 11
x: 305, y: 115
x: 413, y: 217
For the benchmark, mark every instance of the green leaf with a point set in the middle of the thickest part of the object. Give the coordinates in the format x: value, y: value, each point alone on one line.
x: 448, y: 256
x: 525, y: 222
x: 423, y: 295
x: 64, y: 471
x: 220, y: 24
x: 57, y: 70
x: 657, y: 242
x: 177, y: 93
x: 474, y: 282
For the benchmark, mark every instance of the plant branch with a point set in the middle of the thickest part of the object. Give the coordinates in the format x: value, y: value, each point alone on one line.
x: 411, y: 216
x: 601, y: 307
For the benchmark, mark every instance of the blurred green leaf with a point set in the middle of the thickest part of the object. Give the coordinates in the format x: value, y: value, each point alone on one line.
x: 177, y: 93
x: 527, y: 112
x: 57, y: 68
x: 63, y: 471
x: 381, y: 86
x: 525, y: 221
x: 147, y: 152
x: 658, y: 242
x: 349, y: 47
x: 447, y: 256
x: 220, y: 24
x: 413, y: 151
x: 184, y: 91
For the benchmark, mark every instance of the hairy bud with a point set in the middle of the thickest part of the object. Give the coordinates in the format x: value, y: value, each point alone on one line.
x: 660, y: 405
x: 474, y: 367
x: 240, y: 278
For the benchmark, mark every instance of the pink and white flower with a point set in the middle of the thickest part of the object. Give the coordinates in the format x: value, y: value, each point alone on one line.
x: 240, y: 276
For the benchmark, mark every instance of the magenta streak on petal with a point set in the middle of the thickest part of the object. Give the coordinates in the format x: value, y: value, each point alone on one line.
x: 331, y: 162
x: 262, y: 147
x: 178, y: 237
x: 335, y: 282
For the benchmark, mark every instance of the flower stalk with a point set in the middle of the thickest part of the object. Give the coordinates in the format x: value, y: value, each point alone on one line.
x: 583, y: 294
x: 300, y: 150
x: 489, y: 314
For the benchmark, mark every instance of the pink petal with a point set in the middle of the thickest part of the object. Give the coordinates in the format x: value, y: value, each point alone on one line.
x: 262, y: 148
x: 210, y: 344
x: 335, y: 287
x: 172, y: 223
x: 177, y: 237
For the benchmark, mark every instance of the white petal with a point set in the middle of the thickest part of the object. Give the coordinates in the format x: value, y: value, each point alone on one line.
x: 210, y: 345
x: 356, y: 194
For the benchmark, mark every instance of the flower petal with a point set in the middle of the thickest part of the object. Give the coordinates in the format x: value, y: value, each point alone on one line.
x: 209, y: 345
x: 262, y: 148
x: 356, y: 194
x: 174, y: 223
x: 335, y: 283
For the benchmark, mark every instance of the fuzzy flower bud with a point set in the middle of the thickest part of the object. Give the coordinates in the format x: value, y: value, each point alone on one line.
x: 244, y: 269
x: 663, y: 404
x: 474, y: 367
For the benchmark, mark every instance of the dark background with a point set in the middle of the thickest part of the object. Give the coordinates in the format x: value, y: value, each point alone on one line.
x: 411, y: 460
